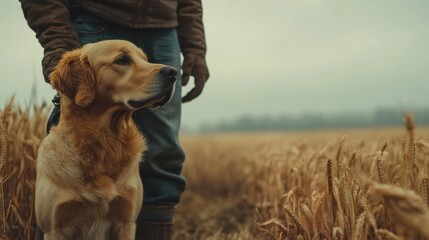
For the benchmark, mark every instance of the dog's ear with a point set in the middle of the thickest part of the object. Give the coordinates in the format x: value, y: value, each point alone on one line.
x: 74, y: 77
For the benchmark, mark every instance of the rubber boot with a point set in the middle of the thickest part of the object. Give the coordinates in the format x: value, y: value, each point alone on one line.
x: 154, y: 231
x: 39, y: 234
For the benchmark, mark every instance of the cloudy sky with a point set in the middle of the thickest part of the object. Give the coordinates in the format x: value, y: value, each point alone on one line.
x: 277, y: 57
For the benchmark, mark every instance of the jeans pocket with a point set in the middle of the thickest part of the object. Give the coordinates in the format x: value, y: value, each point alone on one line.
x: 165, y: 45
x: 89, y: 28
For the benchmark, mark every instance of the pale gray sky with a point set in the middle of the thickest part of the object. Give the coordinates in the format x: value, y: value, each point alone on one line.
x: 277, y: 57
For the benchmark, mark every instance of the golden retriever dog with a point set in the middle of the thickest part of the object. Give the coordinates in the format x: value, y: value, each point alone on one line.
x: 88, y: 184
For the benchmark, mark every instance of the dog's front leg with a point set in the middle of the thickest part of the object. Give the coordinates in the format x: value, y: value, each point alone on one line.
x: 68, y: 219
x: 53, y: 236
x: 59, y: 235
x: 123, y: 231
x: 122, y: 216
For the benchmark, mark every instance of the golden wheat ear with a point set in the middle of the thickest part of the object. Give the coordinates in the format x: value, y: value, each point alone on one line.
x: 74, y: 78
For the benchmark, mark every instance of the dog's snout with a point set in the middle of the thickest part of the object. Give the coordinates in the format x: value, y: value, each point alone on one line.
x: 169, y: 72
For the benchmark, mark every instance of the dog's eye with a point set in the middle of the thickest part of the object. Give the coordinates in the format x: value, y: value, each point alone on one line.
x: 123, y: 60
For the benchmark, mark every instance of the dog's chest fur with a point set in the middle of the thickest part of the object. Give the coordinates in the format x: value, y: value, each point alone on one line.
x: 94, y: 162
x: 110, y: 155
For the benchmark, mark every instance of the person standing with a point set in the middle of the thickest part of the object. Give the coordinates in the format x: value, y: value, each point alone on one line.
x: 163, y: 29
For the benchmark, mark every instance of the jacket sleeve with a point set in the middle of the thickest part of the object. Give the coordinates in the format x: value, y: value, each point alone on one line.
x: 191, y: 28
x: 50, y: 20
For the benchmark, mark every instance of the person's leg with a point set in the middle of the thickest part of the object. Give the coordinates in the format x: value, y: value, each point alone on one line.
x: 162, y: 162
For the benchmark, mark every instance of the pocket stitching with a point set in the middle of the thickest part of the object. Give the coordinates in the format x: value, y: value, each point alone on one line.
x: 103, y: 27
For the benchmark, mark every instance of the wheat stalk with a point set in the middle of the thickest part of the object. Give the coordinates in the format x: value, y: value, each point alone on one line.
x: 406, y: 207
x: 299, y: 225
x: 2, y: 167
x: 380, y: 170
x: 329, y: 178
x: 331, y: 188
x: 409, y: 125
x: 368, y: 213
x: 352, y: 159
x: 412, y: 149
x: 338, y: 155
x: 17, y: 216
x: 317, y: 210
x: 307, y: 216
x: 388, y: 235
x: 424, y: 185
x: 379, y: 215
x: 359, y: 225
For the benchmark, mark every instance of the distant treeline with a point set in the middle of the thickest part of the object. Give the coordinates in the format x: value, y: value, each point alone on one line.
x: 311, y: 121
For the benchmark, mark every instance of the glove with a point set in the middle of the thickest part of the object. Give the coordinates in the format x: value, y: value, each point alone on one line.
x: 194, y: 65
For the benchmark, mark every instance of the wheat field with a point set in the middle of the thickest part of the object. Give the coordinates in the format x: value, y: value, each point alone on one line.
x: 342, y: 184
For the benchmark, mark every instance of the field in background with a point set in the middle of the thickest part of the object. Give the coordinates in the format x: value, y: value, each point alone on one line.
x: 359, y: 184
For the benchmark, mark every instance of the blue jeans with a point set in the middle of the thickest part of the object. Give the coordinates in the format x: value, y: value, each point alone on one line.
x: 161, y: 167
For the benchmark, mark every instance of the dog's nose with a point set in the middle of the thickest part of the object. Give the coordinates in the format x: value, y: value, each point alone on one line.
x: 169, y: 72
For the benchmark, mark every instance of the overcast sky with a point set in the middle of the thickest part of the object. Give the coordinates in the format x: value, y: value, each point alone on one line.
x: 277, y: 57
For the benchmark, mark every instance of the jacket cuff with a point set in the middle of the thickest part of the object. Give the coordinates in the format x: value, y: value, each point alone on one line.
x: 53, y: 52
x: 195, y: 52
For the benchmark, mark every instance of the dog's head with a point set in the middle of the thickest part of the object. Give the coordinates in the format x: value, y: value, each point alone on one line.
x: 116, y: 71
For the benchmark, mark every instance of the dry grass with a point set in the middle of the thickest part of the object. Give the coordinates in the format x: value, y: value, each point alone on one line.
x: 21, y: 134
x: 370, y: 184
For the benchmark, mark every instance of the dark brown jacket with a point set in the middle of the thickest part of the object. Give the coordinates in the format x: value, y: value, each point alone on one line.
x: 50, y: 19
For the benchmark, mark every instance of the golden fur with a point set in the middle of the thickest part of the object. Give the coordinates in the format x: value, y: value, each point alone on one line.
x: 88, y: 184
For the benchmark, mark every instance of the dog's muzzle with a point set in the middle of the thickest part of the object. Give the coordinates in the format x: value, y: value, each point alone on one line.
x: 163, y: 90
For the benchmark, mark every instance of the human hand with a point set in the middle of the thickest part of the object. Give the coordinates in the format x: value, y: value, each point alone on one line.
x: 194, y: 65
